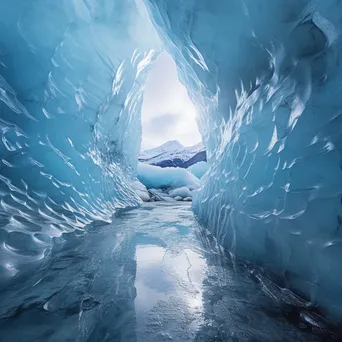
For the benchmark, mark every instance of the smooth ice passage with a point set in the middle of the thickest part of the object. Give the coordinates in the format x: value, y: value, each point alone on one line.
x: 265, y: 77
x: 151, y: 275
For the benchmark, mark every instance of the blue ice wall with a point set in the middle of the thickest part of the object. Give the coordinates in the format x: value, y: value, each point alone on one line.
x: 71, y: 80
x: 267, y: 80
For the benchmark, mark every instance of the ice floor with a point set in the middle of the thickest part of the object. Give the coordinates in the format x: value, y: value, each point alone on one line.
x: 151, y: 275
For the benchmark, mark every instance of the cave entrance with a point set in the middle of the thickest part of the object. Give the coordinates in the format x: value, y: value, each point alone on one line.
x: 167, y: 112
x: 170, y: 136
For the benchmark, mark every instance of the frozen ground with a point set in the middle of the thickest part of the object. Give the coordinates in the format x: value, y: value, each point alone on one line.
x: 151, y: 275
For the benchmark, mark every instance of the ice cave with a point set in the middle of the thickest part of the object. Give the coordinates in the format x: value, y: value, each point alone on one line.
x: 245, y: 246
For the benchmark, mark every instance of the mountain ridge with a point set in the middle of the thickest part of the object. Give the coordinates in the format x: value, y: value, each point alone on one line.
x: 173, y: 154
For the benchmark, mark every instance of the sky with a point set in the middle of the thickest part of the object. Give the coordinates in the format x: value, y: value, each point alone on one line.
x: 167, y: 112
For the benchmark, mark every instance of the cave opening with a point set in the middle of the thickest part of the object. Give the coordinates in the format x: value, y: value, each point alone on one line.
x: 167, y: 112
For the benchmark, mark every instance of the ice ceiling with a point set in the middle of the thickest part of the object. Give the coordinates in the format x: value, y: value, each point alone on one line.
x: 266, y: 79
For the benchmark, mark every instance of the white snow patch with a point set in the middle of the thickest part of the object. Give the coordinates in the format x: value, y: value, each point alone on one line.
x: 182, y: 192
x: 141, y: 190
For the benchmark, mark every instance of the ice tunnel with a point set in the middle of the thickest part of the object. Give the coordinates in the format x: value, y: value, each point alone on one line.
x: 265, y: 77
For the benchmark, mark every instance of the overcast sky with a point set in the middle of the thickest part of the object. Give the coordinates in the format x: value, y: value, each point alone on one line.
x: 167, y: 113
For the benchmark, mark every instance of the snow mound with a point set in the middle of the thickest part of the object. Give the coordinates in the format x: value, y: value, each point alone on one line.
x: 157, y: 177
x: 183, y: 192
x: 141, y: 190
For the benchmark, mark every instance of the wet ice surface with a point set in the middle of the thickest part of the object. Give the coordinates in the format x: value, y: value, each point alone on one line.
x: 151, y: 275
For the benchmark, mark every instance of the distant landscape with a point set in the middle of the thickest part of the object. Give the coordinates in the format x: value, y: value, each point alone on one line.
x: 174, y: 154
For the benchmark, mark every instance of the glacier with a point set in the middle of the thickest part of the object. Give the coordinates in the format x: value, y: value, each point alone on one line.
x: 198, y: 169
x: 174, y: 177
x: 72, y: 77
x: 265, y: 78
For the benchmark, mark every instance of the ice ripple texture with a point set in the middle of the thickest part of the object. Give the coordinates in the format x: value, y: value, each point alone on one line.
x: 266, y: 78
x: 71, y: 80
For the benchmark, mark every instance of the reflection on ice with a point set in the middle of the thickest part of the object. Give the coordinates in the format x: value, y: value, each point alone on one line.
x: 150, y: 283
x: 168, y: 284
x: 151, y: 275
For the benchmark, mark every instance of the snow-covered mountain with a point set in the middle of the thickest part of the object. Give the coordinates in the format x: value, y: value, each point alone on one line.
x: 173, y: 153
